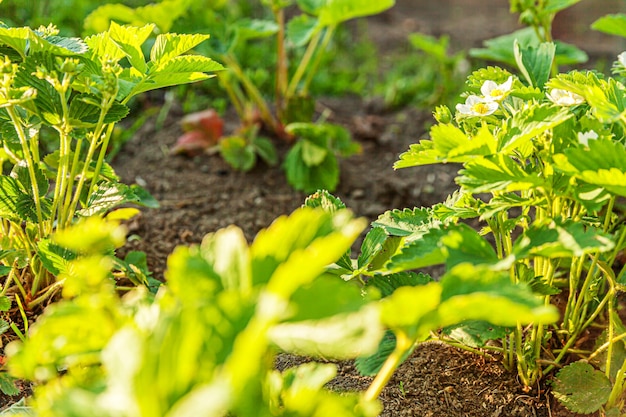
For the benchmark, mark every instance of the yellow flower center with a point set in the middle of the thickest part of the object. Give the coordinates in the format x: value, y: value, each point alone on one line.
x: 480, y: 108
x: 496, y: 93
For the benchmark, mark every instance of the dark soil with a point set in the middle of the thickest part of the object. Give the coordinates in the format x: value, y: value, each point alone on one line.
x: 202, y: 194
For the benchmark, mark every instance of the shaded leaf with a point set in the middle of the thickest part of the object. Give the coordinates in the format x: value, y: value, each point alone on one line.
x: 475, y: 333
x: 581, y: 388
x: 387, y: 284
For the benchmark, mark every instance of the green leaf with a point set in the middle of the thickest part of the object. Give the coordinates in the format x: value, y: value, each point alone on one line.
x: 15, y: 205
x: 310, y: 178
x: 341, y: 336
x: 424, y: 251
x: 169, y: 45
x: 557, y: 239
x: 312, y: 154
x: 48, y: 102
x: 7, y: 384
x: 464, y: 244
x: 266, y: 150
x: 478, y: 293
x: 101, y: 18
x: 496, y: 173
x: 309, y: 237
x: 5, y: 303
x: 371, y: 246
x: 55, y: 258
x: 237, y: 153
x: 300, y: 29
x: 501, y: 48
x: 91, y: 235
x: 107, y: 196
x: 190, y: 276
x: 336, y: 11
x: 371, y: 365
x: 85, y: 114
x: 101, y: 45
x: 20, y: 172
x: 602, y: 163
x: 408, y: 222
x: 387, y: 284
x: 16, y: 38
x: 580, y: 388
x: 411, y: 309
x: 531, y: 122
x: 324, y: 200
x: 535, y: 63
x: 130, y: 39
x: 613, y: 24
x: 474, y: 333
x: 227, y: 252
x: 255, y: 28
x: 66, y: 46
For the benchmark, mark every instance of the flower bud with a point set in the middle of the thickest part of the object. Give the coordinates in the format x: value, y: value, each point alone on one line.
x: 442, y: 114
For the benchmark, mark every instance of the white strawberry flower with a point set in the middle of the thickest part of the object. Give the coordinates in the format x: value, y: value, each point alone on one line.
x: 477, y: 106
x: 565, y: 98
x: 496, y: 92
x: 621, y: 58
x: 583, y: 137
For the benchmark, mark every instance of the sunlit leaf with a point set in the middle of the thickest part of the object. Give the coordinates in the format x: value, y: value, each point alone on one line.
x: 130, y: 39
x: 308, y: 236
x: 337, y: 11
x: 168, y: 46
x: 602, y: 163
x: 560, y: 239
x: 477, y: 293
x: 425, y: 251
x: 407, y: 222
x: 341, y: 336
x: 227, y: 252
x: 464, y: 244
x: 497, y: 173
x: 613, y: 24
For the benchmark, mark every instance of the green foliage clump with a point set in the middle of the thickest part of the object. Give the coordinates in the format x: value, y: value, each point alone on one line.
x: 69, y: 93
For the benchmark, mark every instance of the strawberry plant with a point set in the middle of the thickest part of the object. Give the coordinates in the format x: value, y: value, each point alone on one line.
x: 542, y: 171
x: 68, y: 93
x: 205, y: 344
x: 300, y: 45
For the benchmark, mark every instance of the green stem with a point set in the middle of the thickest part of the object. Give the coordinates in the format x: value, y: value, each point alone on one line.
x: 47, y: 294
x: 281, y: 61
x: 31, y: 166
x: 318, y: 59
x: 403, y: 344
x: 304, y: 63
x: 253, y: 92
